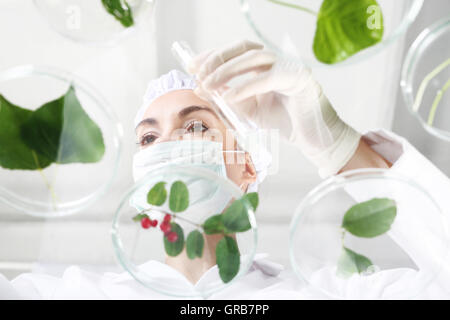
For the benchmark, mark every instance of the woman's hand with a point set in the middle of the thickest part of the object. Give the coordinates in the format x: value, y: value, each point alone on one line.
x: 279, y: 94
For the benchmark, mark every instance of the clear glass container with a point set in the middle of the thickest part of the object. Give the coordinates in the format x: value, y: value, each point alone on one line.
x: 426, y: 79
x: 88, y: 22
x: 244, y: 130
x: 141, y: 252
x: 289, y: 31
x: 240, y: 125
x: 43, y: 190
x: 404, y: 260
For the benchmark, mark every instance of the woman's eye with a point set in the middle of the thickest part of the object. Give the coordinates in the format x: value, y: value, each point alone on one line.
x: 196, y: 126
x: 147, y: 139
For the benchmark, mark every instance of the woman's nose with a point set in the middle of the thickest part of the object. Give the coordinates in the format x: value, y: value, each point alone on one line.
x: 173, y: 135
x: 164, y: 139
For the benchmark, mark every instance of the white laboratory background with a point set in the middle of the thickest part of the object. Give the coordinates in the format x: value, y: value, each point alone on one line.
x: 365, y: 94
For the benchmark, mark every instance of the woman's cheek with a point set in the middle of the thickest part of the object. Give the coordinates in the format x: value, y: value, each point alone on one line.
x: 234, y: 173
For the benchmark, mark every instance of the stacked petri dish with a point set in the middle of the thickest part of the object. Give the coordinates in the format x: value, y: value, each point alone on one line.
x: 425, y: 79
x: 294, y: 24
x: 94, y: 22
x: 368, y: 234
x: 57, y: 128
x: 175, y: 265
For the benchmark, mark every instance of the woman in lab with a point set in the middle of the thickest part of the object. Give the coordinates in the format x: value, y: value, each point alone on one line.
x: 278, y: 95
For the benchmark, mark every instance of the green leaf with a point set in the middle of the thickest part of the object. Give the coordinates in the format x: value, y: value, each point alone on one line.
x: 121, y: 10
x: 179, y: 197
x: 235, y: 217
x: 227, y: 258
x: 351, y: 262
x: 61, y: 131
x: 194, y: 244
x: 42, y: 130
x: 371, y: 218
x: 14, y: 152
x: 158, y: 194
x: 253, y: 198
x: 214, y: 225
x: 81, y: 139
x: 345, y: 27
x: 174, y: 248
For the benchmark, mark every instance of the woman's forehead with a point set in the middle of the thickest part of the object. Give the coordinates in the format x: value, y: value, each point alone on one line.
x: 173, y: 102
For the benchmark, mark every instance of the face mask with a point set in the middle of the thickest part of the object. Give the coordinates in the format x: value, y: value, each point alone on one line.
x: 206, y: 197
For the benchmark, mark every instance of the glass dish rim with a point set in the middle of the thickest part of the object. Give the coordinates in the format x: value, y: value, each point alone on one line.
x: 408, y: 19
x: 415, y: 52
x: 72, y: 207
x: 336, y: 182
x: 111, y: 41
x: 132, y: 269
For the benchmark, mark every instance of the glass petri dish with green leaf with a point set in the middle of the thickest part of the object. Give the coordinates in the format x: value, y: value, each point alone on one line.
x: 96, y: 22
x: 60, y: 141
x: 368, y: 234
x: 186, y: 232
x: 425, y: 79
x: 329, y: 32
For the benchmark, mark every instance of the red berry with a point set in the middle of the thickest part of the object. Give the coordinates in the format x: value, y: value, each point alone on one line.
x: 167, y: 218
x: 146, y: 222
x: 165, y: 227
x: 172, y: 236
x: 154, y: 223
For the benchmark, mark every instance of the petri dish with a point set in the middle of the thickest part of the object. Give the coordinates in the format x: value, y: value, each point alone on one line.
x: 88, y: 22
x: 426, y: 79
x: 294, y: 35
x: 142, y: 252
x: 78, y: 140
x: 400, y: 264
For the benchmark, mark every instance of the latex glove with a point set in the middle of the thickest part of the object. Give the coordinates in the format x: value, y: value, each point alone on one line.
x: 278, y: 94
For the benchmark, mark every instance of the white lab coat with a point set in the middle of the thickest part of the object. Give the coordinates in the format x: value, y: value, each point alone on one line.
x: 269, y: 280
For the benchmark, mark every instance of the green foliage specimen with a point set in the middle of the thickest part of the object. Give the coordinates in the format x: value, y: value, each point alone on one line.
x: 174, y: 248
x: 234, y: 219
x: 121, y: 10
x: 194, y: 244
x: 59, y: 132
x: 228, y: 258
x: 343, y: 27
x: 157, y: 195
x: 179, y: 197
x: 351, y: 262
x: 371, y: 218
x: 214, y: 225
x: 367, y: 220
x: 15, y: 154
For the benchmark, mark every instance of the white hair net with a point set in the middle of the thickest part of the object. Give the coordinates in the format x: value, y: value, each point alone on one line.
x: 171, y: 81
x: 177, y: 80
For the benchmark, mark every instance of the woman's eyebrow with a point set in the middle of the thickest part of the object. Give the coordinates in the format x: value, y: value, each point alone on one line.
x: 186, y: 111
x: 148, y: 122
